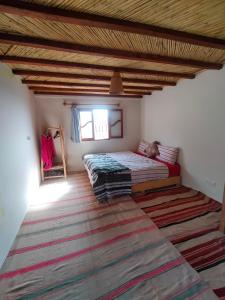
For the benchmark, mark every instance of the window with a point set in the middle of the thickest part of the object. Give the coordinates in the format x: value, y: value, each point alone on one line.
x: 101, y: 124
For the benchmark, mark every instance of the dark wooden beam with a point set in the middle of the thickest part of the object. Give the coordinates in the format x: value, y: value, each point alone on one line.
x: 66, y: 64
x: 105, y: 52
x: 32, y: 10
x: 50, y: 89
x: 88, y: 77
x: 88, y: 85
x: 44, y: 88
x: 86, y: 94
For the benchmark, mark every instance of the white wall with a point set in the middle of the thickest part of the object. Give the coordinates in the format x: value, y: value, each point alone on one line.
x: 19, y: 177
x: 192, y: 117
x: 51, y: 112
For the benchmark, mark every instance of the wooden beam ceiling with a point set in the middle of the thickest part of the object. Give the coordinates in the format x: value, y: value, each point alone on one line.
x: 85, y: 94
x: 66, y: 64
x: 53, y: 89
x: 105, y: 52
x: 84, y: 88
x: 84, y: 19
x: 87, y: 85
x: 89, y: 77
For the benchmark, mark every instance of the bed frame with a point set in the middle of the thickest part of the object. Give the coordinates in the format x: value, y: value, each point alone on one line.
x: 156, y: 184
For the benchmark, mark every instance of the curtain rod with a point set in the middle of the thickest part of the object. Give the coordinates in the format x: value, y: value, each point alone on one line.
x: 89, y: 104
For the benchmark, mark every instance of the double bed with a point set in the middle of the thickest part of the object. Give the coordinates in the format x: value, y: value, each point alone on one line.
x: 121, y: 173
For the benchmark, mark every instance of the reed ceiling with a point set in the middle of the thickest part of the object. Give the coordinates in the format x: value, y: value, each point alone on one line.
x: 113, y: 46
x: 203, y: 17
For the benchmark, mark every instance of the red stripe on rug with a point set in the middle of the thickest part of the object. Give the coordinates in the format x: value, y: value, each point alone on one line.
x: 206, y: 254
x: 133, y: 282
x: 182, y: 211
x: 202, y: 245
x: 206, y: 262
x: 184, y: 214
x: 186, y: 237
x: 220, y: 292
x: 76, y: 236
x: 197, y: 256
x: 72, y: 255
x: 70, y: 214
x: 174, y: 203
x: 152, y: 196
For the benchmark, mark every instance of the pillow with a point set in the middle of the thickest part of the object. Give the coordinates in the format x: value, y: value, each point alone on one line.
x: 152, y: 150
x: 142, y: 148
x: 167, y: 154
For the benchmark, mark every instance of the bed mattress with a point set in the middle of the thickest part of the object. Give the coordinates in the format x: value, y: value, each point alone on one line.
x: 174, y: 170
x: 142, y: 168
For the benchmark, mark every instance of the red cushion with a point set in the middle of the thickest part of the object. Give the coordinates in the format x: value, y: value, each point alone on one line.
x: 174, y: 170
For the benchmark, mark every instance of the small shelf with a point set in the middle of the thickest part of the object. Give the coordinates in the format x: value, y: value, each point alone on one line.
x: 56, y: 167
x: 56, y: 176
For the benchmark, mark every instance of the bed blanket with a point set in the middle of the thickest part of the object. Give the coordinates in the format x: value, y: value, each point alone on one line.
x: 109, y: 177
x: 142, y: 168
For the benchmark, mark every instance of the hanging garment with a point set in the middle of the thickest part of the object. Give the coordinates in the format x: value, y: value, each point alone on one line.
x: 47, y: 151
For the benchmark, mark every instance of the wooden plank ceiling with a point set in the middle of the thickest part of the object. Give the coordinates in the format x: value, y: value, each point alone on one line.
x: 64, y: 47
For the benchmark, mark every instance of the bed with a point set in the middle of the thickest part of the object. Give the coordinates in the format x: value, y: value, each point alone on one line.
x: 121, y: 173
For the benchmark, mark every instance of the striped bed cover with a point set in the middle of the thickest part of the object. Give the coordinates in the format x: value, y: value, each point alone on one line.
x: 142, y: 168
x: 190, y: 220
x: 109, y: 178
x: 77, y: 248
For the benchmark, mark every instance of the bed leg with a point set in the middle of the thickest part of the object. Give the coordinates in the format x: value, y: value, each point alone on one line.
x: 179, y: 182
x: 222, y: 217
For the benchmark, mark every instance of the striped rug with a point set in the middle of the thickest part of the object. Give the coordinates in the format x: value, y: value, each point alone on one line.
x: 71, y: 247
x: 190, y: 220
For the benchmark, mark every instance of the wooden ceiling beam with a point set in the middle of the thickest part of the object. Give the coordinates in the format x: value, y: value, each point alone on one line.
x: 88, y: 85
x: 32, y: 10
x: 66, y: 64
x: 34, y: 42
x: 49, y: 89
x: 85, y: 94
x: 88, y: 77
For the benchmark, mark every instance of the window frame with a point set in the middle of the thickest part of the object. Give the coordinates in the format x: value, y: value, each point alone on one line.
x: 109, y: 125
x: 118, y: 121
x: 92, y: 121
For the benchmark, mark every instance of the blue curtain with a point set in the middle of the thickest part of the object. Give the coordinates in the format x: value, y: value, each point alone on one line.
x: 75, y: 128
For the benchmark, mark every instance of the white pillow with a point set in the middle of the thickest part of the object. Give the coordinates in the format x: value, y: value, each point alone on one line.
x: 168, y: 154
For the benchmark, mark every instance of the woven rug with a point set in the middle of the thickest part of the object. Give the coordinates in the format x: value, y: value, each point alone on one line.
x: 70, y: 246
x: 190, y: 220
